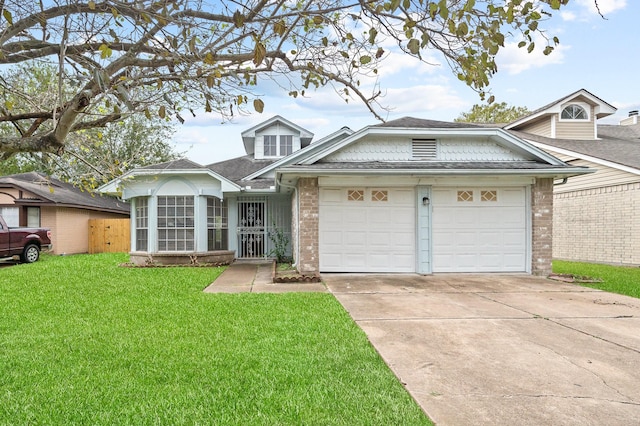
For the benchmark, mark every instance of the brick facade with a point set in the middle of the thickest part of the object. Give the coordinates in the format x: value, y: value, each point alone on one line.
x: 308, y: 251
x: 598, y: 225
x: 542, y: 226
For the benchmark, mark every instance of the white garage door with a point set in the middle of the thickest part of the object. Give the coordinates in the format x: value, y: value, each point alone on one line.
x: 479, y: 229
x: 367, y: 230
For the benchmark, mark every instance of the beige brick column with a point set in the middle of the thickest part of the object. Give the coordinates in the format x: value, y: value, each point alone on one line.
x: 542, y: 226
x: 308, y: 225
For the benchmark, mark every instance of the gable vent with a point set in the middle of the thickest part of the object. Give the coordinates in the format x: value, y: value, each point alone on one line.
x: 424, y: 149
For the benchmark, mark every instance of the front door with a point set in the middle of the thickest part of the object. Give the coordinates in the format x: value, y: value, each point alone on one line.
x: 251, y: 227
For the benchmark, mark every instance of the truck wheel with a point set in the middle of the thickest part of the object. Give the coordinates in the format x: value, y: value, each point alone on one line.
x: 30, y: 254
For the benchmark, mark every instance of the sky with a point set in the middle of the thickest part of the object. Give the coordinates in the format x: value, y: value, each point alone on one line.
x: 596, y: 54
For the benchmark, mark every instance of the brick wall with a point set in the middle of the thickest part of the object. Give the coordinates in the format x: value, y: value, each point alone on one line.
x: 308, y: 225
x: 598, y: 225
x: 542, y: 226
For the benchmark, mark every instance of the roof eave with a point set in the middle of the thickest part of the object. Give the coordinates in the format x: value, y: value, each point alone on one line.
x: 551, y: 172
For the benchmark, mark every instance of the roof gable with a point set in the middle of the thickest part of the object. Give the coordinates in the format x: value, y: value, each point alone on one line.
x: 392, y: 142
x: 181, y: 167
x: 601, y: 108
x: 249, y: 135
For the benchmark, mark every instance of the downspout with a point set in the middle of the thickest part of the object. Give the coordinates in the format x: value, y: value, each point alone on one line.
x: 295, y: 191
x: 564, y: 180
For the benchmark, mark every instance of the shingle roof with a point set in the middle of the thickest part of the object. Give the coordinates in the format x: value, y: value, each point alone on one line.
x: 622, y: 151
x: 180, y: 164
x: 431, y: 165
x: 49, y: 190
x: 237, y: 168
x: 420, y: 123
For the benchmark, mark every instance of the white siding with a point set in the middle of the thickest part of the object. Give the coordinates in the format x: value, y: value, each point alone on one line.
x: 400, y: 149
x: 278, y: 130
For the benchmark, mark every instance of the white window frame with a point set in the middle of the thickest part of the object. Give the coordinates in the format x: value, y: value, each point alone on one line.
x: 584, y: 106
x: 270, y: 145
x: 176, y: 226
x: 142, y: 223
x: 217, y: 224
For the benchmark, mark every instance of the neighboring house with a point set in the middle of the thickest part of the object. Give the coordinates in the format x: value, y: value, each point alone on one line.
x: 410, y: 195
x: 595, y: 215
x: 33, y: 199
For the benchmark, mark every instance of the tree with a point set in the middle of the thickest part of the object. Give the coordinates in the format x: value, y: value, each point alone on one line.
x: 117, y: 58
x: 498, y: 112
x: 92, y: 156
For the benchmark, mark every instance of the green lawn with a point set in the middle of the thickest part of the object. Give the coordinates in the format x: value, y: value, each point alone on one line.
x: 616, y: 279
x: 84, y: 341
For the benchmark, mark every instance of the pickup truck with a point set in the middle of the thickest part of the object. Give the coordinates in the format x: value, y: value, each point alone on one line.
x: 23, y: 242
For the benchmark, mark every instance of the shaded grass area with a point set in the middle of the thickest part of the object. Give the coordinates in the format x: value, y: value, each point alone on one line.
x: 84, y: 341
x: 615, y: 279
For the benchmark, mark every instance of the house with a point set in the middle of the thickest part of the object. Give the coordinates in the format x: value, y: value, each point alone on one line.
x: 410, y: 195
x: 34, y: 199
x: 595, y: 215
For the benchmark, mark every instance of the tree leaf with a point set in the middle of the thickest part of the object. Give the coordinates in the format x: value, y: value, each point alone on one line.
x: 162, y: 112
x: 259, y: 53
x: 238, y: 19
x: 364, y: 60
x: 7, y: 15
x: 279, y: 27
x: 413, y: 46
x: 258, y: 105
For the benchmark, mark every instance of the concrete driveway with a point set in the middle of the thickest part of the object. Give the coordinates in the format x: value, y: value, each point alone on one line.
x: 502, y: 349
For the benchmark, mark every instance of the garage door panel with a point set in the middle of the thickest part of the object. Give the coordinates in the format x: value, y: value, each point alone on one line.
x: 377, y: 234
x: 484, y: 235
x: 355, y: 239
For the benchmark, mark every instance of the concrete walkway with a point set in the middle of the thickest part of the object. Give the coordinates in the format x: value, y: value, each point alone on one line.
x: 502, y: 350
x: 255, y: 277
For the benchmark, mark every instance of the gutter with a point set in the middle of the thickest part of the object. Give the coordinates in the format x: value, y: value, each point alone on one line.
x: 560, y: 173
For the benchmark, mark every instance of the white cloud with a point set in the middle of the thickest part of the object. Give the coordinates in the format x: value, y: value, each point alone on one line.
x: 568, y: 16
x: 422, y: 99
x: 514, y: 60
x: 605, y: 6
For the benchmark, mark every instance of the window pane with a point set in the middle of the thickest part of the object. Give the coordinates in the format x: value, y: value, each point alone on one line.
x: 11, y: 215
x: 574, y: 112
x: 286, y: 145
x: 176, y: 223
x: 270, y: 146
x: 33, y: 217
x: 216, y: 224
x: 142, y: 223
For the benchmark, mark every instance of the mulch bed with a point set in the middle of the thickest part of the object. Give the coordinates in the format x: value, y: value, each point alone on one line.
x: 293, y: 276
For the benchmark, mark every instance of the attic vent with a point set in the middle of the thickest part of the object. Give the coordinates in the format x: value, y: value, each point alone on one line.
x: 424, y: 149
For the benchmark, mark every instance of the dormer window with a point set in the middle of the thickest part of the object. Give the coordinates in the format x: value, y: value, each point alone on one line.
x: 574, y: 112
x: 270, y: 145
x: 275, y: 146
x: 286, y: 145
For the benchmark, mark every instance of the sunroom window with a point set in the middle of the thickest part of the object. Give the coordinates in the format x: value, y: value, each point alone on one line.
x: 176, y: 223
x: 270, y: 145
x: 574, y: 112
x: 217, y: 224
x: 142, y: 224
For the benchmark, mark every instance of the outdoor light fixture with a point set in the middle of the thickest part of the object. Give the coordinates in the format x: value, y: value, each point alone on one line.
x: 425, y: 201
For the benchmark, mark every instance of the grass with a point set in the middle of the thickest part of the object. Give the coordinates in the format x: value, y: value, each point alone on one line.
x: 84, y: 341
x: 615, y: 279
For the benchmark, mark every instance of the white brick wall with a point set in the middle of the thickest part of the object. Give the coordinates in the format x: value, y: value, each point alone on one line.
x: 598, y: 225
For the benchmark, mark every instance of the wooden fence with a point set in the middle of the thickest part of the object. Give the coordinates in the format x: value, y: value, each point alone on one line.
x: 109, y: 236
